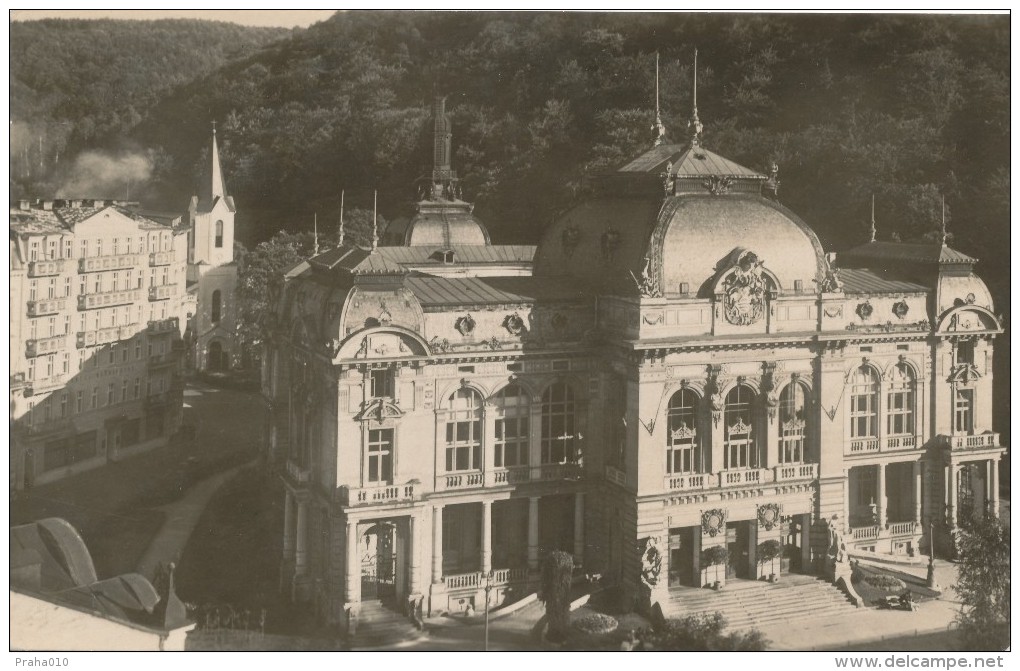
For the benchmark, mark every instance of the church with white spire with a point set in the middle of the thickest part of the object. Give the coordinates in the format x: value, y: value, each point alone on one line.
x: 212, y: 273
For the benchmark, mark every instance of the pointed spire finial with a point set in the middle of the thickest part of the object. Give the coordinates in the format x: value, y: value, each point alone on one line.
x: 695, y: 123
x: 872, y: 218
x: 945, y: 233
x: 340, y: 241
x: 658, y: 127
x: 218, y: 190
x: 375, y: 220
x: 214, y: 127
x: 315, y: 234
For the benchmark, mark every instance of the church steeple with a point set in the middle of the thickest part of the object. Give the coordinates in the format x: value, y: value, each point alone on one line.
x: 218, y: 190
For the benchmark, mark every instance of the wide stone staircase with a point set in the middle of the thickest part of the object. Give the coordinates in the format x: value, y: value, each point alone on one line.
x: 382, y: 626
x: 750, y: 604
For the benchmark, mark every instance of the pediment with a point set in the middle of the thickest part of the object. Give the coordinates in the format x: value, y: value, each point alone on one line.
x: 379, y: 409
x: 107, y: 222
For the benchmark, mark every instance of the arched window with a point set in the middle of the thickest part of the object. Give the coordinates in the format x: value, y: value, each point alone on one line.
x: 216, y: 306
x: 219, y: 234
x: 792, y: 424
x: 683, y: 447
x: 512, y: 428
x: 740, y: 450
x: 864, y: 403
x: 464, y: 431
x: 900, y: 409
x: 559, y: 439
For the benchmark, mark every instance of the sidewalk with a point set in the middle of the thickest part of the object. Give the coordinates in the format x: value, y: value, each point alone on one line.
x: 181, y: 518
x: 871, y: 625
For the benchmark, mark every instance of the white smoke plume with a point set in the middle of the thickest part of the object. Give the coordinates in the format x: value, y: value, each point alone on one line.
x: 98, y: 174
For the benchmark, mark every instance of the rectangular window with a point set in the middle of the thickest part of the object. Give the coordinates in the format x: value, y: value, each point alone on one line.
x: 965, y: 352
x: 51, y: 288
x: 380, y: 456
x: 67, y: 249
x: 381, y: 380
x: 79, y: 403
x: 123, y: 390
x: 512, y: 441
x: 95, y: 397
x: 67, y: 287
x: 65, y: 363
x: 33, y: 253
x: 138, y: 386
x: 109, y: 394
x: 63, y: 405
x: 32, y: 290
x: 964, y: 411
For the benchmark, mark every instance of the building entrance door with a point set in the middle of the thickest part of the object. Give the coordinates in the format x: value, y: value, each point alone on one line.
x: 738, y: 542
x: 793, y: 534
x: 681, y: 557
x: 378, y: 562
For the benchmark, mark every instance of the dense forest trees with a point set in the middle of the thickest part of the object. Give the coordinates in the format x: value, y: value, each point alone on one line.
x: 909, y: 108
x: 77, y: 84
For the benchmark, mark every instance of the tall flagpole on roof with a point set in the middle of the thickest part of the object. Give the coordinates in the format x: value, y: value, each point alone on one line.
x: 945, y: 234
x: 375, y: 219
x: 659, y: 128
x: 695, y: 123
x: 342, y: 191
x: 872, y: 218
x: 315, y: 234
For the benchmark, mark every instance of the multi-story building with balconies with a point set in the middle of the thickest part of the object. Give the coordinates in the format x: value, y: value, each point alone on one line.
x: 95, y: 340
x: 678, y: 366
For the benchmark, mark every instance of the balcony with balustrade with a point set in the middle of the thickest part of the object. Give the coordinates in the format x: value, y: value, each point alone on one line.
x: 42, y: 346
x: 104, y: 336
x: 98, y: 264
x: 161, y: 258
x: 49, y: 306
x: 108, y: 299
x: 43, y: 384
x: 163, y: 326
x: 160, y: 361
x: 503, y: 477
x: 884, y: 445
x: 376, y: 494
x: 969, y: 442
x: 162, y: 292
x: 46, y: 268
x: 701, y: 482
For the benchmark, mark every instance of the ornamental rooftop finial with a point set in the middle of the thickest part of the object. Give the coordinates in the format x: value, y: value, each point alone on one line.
x: 658, y: 127
x: 694, y: 125
x: 375, y: 220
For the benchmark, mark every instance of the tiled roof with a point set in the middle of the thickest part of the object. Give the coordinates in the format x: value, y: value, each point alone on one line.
x: 451, y: 291
x: 688, y: 161
x: 870, y: 281
x: 63, y: 219
x: 399, y: 259
x: 909, y: 252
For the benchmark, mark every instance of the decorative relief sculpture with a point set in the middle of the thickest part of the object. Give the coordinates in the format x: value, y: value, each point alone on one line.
x: 768, y: 515
x: 716, y: 185
x: 865, y: 310
x: 744, y: 291
x: 651, y: 563
x: 438, y: 345
x: 465, y: 325
x: 646, y: 284
x: 832, y: 283
x: 713, y: 522
x: 514, y: 324
x: 900, y: 309
x: 362, y: 350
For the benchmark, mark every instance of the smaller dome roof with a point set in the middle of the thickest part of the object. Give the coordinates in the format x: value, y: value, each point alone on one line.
x: 439, y: 224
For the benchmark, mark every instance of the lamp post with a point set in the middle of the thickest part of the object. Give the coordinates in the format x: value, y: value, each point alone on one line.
x: 488, y: 588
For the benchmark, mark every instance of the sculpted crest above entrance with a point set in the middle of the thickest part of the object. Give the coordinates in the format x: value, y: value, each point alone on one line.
x: 744, y: 286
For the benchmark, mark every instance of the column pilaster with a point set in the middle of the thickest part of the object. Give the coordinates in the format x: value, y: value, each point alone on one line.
x: 533, y: 532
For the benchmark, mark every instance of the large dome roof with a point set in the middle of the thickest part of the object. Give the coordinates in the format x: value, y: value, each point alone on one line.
x: 672, y: 218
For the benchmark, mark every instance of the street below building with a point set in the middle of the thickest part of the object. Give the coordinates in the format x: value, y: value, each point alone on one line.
x: 121, y: 507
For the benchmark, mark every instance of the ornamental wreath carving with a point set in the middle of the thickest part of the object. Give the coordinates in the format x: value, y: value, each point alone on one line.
x: 744, y: 291
x: 465, y: 325
x: 900, y: 309
x: 713, y: 522
x: 514, y: 324
x: 768, y: 515
x: 864, y: 310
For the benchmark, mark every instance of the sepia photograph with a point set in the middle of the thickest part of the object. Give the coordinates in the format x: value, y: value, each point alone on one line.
x: 579, y: 331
